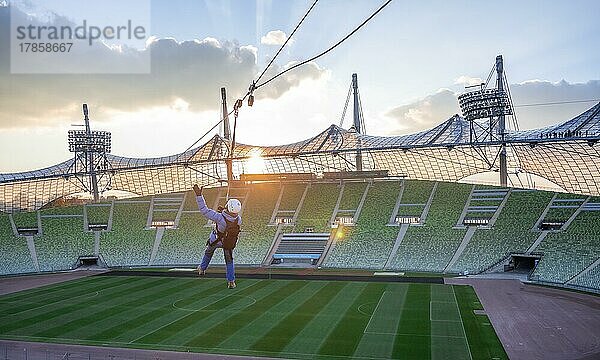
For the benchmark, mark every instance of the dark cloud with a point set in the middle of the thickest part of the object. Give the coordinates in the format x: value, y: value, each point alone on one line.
x: 433, y: 109
x: 193, y: 71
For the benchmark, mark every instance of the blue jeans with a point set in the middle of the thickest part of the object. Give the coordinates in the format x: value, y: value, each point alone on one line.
x: 208, y: 254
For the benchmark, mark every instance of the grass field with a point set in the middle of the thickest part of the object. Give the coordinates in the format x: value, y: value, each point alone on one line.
x: 279, y: 318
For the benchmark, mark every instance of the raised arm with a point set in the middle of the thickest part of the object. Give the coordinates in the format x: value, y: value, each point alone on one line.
x: 205, y: 210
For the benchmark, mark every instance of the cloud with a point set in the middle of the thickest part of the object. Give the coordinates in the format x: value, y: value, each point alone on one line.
x: 274, y: 37
x: 288, y: 80
x: 467, y: 80
x: 540, y: 91
x: 182, y: 72
x: 433, y: 109
x: 423, y: 113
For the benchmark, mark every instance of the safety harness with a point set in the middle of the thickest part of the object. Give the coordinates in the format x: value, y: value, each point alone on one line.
x: 229, y: 237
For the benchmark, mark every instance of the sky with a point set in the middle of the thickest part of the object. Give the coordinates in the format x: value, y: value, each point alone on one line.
x: 412, y: 60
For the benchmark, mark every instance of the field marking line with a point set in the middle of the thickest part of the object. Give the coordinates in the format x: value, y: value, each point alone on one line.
x: 359, y: 308
x: 186, y: 315
x: 219, y: 350
x: 421, y: 335
x: 462, y: 325
x: 442, y: 302
x: 374, y: 311
x: 94, y: 294
x: 55, y: 303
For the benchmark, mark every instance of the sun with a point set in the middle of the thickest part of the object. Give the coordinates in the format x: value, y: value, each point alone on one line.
x: 256, y: 163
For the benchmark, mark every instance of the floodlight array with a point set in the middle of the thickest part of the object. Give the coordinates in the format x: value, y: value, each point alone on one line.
x: 484, y: 104
x: 95, y: 141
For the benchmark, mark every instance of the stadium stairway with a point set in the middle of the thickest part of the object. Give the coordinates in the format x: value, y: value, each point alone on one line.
x: 301, y: 248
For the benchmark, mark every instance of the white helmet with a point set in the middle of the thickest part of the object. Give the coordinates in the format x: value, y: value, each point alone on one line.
x: 234, y: 206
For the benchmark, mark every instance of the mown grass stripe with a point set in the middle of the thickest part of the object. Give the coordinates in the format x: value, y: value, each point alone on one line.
x: 83, y: 309
x: 414, y: 341
x: 141, y: 297
x: 131, y: 325
x: 482, y: 339
x: 25, y: 314
x: 15, y: 322
x: 313, y: 334
x: 288, y: 327
x: 214, y: 317
x: 247, y: 334
x: 344, y: 339
x: 379, y: 335
x: 16, y: 306
x: 186, y: 321
x: 213, y: 336
x: 51, y: 288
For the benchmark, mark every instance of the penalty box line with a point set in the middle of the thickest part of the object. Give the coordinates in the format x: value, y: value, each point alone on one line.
x: 374, y: 312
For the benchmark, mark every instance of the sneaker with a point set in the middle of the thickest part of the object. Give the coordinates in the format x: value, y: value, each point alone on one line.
x: 201, y: 272
x: 231, y: 285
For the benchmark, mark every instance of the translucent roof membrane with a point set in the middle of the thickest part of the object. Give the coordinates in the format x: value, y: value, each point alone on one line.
x: 566, y: 154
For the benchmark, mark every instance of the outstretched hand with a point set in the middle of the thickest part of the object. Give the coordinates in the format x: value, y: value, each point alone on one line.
x: 198, y: 190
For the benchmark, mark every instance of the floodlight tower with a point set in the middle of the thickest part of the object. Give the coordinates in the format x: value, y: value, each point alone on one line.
x: 226, y: 127
x: 357, y: 120
x: 227, y: 133
x: 492, y: 104
x: 90, y: 165
x: 501, y: 122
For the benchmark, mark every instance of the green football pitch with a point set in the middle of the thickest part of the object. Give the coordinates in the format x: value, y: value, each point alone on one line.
x: 278, y: 318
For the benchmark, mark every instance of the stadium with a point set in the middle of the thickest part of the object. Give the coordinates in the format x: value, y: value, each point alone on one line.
x: 472, y: 239
x: 352, y: 245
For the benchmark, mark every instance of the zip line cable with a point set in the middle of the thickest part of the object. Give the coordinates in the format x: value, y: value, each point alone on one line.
x: 557, y: 103
x: 254, y: 86
x: 286, y: 41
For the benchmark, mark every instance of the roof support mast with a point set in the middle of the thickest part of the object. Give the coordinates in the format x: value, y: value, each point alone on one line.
x: 501, y: 123
x: 226, y: 127
x: 90, y: 155
x: 357, y: 120
x: 227, y: 134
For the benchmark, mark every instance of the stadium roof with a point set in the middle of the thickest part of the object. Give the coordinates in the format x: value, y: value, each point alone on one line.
x: 565, y: 154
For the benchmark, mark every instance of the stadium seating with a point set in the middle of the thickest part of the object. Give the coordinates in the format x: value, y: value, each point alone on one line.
x: 76, y: 210
x: 511, y: 232
x: 414, y: 197
x: 353, y: 192
x: 25, y: 220
x: 256, y: 237
x: 590, y: 280
x: 431, y: 246
x: 62, y: 242
x: 291, y: 196
x: 14, y: 254
x: 369, y: 242
x: 317, y: 208
x: 185, y: 244
x: 128, y: 244
x: 98, y: 214
x: 567, y: 253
